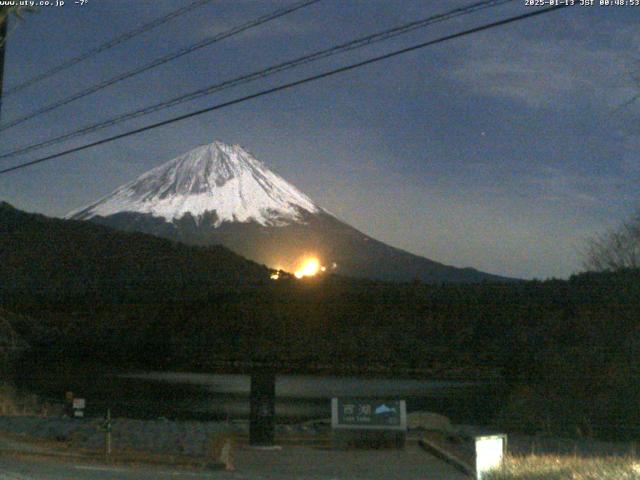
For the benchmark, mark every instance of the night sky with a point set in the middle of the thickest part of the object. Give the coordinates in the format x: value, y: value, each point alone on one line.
x: 503, y: 150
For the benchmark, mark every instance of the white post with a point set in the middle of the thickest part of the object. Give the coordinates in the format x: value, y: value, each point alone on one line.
x: 490, y: 450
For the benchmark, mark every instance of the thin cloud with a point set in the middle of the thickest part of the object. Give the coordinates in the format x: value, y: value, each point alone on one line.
x: 553, y: 184
x: 545, y: 72
x: 295, y: 27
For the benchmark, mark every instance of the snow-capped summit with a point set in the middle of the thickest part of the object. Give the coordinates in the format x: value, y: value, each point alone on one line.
x: 216, y: 178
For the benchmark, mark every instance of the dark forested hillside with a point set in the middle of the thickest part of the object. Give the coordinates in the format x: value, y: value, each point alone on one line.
x: 567, y: 349
x: 46, y: 259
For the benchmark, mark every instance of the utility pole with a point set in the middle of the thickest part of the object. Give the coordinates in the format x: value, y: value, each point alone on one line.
x: 3, y: 44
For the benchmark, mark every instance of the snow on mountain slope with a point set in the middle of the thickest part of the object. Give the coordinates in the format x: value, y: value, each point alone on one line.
x: 216, y: 177
x: 221, y: 195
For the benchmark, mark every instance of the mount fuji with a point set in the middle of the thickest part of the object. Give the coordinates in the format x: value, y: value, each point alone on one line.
x: 221, y: 194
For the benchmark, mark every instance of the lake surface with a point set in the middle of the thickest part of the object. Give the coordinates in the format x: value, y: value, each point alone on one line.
x: 196, y: 396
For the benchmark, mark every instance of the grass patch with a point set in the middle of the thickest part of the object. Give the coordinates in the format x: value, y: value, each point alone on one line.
x: 14, y: 404
x: 37, y: 448
x: 552, y: 467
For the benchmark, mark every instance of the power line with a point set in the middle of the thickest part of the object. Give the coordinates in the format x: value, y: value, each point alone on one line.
x: 322, y: 54
x: 289, y: 85
x: 106, y: 46
x: 161, y: 61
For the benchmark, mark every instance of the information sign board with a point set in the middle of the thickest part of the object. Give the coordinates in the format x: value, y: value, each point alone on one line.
x: 368, y: 414
x: 78, y: 405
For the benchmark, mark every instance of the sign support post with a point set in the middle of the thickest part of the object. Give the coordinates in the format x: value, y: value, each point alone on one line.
x: 106, y: 427
x: 262, y: 409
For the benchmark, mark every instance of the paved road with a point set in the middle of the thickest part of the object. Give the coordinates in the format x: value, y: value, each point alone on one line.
x: 299, y: 463
x: 22, y: 469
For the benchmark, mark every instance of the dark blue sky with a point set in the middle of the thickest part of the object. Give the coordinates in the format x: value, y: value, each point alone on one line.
x: 503, y: 150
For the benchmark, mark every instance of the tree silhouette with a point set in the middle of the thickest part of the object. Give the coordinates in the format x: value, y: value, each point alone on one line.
x: 616, y: 249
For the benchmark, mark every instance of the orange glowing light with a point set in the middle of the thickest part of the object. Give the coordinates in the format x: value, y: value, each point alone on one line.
x: 309, y: 268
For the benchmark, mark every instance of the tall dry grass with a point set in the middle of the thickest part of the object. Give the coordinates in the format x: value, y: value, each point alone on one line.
x: 552, y: 467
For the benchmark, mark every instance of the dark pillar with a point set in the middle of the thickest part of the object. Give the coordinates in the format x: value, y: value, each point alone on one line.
x: 3, y: 42
x: 263, y: 409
